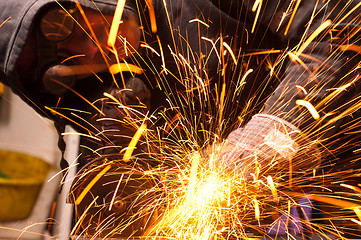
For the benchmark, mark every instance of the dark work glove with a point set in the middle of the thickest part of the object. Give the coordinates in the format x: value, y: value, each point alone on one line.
x: 124, y: 112
x: 271, y: 144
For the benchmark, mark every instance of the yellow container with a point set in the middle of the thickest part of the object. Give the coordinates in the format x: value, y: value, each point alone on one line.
x: 21, y: 179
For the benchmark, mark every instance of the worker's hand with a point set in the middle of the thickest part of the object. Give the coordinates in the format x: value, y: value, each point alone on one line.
x: 135, y: 94
x: 124, y: 112
x: 268, y: 144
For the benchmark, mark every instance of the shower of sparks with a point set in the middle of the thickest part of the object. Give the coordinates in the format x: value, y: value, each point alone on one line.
x: 189, y: 193
x: 192, y: 196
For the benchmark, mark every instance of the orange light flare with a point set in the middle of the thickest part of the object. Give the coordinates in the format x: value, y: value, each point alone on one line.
x: 207, y: 203
x: 5, y: 21
x: 91, y: 184
x: 125, y: 67
x: 312, y: 37
x: 292, y: 16
x: 194, y: 210
x: 272, y: 186
x: 113, y: 34
x: 256, y: 7
x: 309, y: 107
x: 153, y: 22
x: 132, y: 145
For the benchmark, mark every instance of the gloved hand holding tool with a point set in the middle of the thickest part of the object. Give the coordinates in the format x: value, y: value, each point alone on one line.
x: 271, y: 144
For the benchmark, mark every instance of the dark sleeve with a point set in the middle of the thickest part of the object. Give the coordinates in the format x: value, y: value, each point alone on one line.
x: 275, y: 15
x: 322, y: 73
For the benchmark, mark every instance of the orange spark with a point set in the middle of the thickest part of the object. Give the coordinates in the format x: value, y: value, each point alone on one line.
x: 162, y: 54
x: 133, y: 143
x: 149, y: 47
x: 244, y: 78
x: 213, y: 46
x: 221, y: 105
x: 292, y: 16
x: 351, y: 47
x: 115, y: 192
x: 357, y: 211
x: 80, y: 134
x: 322, y: 27
x: 200, y: 21
x: 67, y: 118
x: 230, y: 51
x: 124, y: 67
x: 260, y: 53
x: 115, y: 24
x: 271, y: 185
x: 281, y: 21
x: 71, y: 57
x: 153, y: 23
x: 302, y: 89
x: 257, y: 6
x: 256, y: 209
x: 93, y: 36
x: 346, y: 15
x: 294, y: 57
x: 310, y: 108
x: 91, y: 184
x: 356, y: 189
x: 5, y: 21
x: 79, y: 95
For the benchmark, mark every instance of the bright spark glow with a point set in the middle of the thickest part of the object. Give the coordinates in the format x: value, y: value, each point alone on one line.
x: 153, y: 22
x: 200, y: 21
x: 91, y: 184
x: 124, y: 67
x: 292, y: 16
x: 230, y: 51
x: 256, y: 7
x: 322, y: 27
x: 115, y: 24
x: 128, y: 152
x: 310, y: 108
